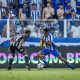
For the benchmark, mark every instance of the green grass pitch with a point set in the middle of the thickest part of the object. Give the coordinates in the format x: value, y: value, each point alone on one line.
x: 45, y: 74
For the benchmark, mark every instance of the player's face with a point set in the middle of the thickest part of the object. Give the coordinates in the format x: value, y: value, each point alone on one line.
x: 69, y: 4
x: 48, y: 5
x: 28, y: 34
x: 61, y: 7
x: 45, y: 33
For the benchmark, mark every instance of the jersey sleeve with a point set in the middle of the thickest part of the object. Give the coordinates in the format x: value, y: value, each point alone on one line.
x: 41, y: 41
x: 51, y: 36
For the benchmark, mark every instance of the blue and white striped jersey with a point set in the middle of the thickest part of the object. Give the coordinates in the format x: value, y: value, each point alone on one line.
x: 35, y: 14
x: 49, y: 37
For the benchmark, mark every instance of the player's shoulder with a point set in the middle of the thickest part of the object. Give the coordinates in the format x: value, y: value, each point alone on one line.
x: 50, y: 34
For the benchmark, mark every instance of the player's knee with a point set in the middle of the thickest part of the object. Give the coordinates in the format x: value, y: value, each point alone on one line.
x: 60, y: 57
x: 40, y: 55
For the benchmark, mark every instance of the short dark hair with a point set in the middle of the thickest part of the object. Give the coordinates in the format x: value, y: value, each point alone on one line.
x: 34, y: 4
x: 60, y: 4
x: 46, y: 29
x: 49, y: 2
x: 27, y: 31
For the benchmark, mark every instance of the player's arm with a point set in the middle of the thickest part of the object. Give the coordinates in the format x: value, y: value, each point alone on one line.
x: 11, y: 40
x: 42, y: 42
x: 20, y: 44
x: 48, y: 43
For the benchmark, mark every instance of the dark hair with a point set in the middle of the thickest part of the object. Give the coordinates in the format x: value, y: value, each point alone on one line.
x: 34, y: 4
x: 46, y: 29
x: 49, y: 2
x: 27, y: 31
x: 60, y: 4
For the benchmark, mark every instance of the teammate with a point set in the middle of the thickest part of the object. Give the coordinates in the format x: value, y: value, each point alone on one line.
x: 16, y: 45
x: 50, y: 48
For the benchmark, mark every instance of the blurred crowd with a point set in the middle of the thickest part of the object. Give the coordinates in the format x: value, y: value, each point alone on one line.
x: 40, y: 9
x: 37, y: 14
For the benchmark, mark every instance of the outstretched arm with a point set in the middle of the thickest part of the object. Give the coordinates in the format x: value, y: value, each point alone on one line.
x: 42, y: 42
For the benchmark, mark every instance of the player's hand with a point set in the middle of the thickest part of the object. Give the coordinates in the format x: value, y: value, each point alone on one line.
x: 42, y: 39
x: 19, y: 47
x: 48, y: 43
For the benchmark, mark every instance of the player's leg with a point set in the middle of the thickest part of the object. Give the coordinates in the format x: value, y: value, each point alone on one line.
x: 41, y: 54
x: 12, y: 50
x: 56, y: 53
x: 66, y: 62
x: 27, y: 60
x: 26, y: 57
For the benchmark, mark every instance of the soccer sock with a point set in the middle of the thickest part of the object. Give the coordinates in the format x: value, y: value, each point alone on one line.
x: 71, y: 66
x: 10, y: 62
x: 26, y: 59
x: 45, y: 62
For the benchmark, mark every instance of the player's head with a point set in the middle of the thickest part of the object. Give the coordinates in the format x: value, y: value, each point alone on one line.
x: 46, y: 31
x: 76, y: 23
x: 48, y: 4
x: 27, y: 32
x: 69, y: 4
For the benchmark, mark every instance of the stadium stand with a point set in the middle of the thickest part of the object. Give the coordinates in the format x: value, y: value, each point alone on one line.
x: 23, y: 14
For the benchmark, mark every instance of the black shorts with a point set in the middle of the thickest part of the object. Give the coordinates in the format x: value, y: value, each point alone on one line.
x: 14, y: 48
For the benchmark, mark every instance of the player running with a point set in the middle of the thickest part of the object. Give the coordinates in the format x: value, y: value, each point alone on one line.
x: 16, y: 45
x: 50, y: 48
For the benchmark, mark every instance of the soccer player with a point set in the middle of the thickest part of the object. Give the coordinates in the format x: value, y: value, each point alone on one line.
x: 16, y: 45
x: 50, y: 48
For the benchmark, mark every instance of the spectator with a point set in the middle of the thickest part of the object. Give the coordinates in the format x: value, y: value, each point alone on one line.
x: 60, y: 12
x: 2, y: 10
x: 73, y: 4
x: 44, y: 2
x: 35, y: 14
x: 37, y: 2
x: 14, y: 20
x: 4, y: 15
x: 68, y: 11
x: 48, y: 12
x: 21, y: 29
x: 4, y: 3
x: 24, y: 13
x: 12, y: 30
x: 73, y: 19
x: 64, y: 2
x: 36, y: 33
x: 20, y: 3
x: 55, y: 4
x: 78, y: 8
x: 57, y: 34
x: 2, y: 23
x: 11, y: 1
x: 11, y: 10
x: 75, y: 30
x: 74, y: 16
x: 31, y: 26
x: 14, y: 2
